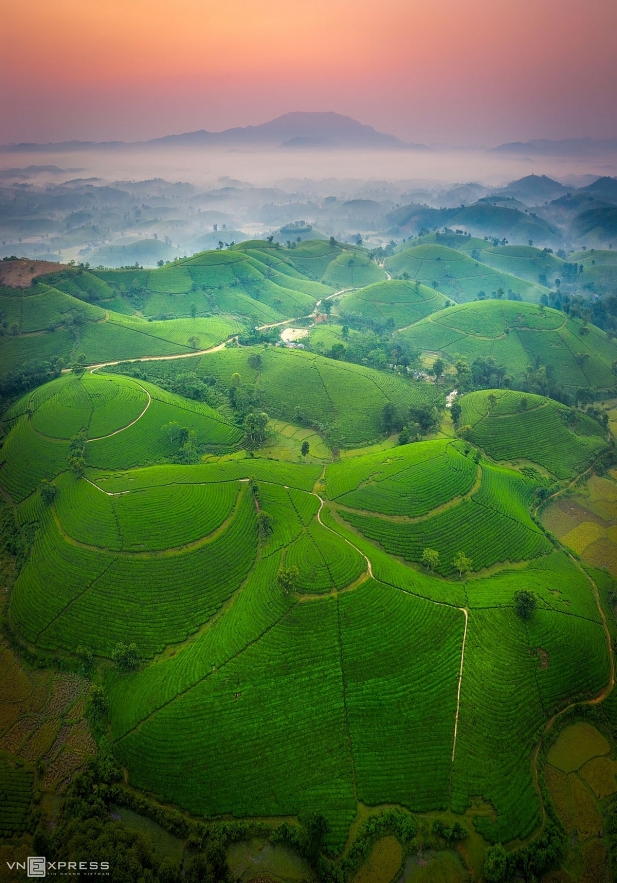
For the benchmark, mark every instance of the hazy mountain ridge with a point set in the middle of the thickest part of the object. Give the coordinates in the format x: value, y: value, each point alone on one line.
x: 300, y: 129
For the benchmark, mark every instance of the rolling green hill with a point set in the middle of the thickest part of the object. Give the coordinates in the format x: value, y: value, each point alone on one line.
x: 335, y: 633
x: 457, y: 275
x: 69, y: 329
x: 522, y: 426
x: 402, y: 302
x: 517, y: 335
x: 255, y: 279
x: 308, y: 683
x: 342, y: 400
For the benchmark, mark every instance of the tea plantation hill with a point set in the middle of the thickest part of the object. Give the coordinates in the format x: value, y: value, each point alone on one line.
x: 256, y: 279
x: 398, y: 302
x: 520, y: 427
x: 345, y: 400
x: 532, y: 264
x: 368, y: 682
x: 102, y: 314
x: 457, y: 275
x: 44, y: 323
x: 519, y: 335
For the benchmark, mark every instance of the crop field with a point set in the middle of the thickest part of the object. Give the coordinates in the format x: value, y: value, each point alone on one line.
x: 403, y: 302
x: 305, y: 640
x: 457, y: 275
x: 347, y: 398
x: 500, y: 716
x: 411, y: 480
x: 291, y: 679
x: 514, y: 334
x: 491, y: 526
x: 15, y: 796
x: 401, y: 652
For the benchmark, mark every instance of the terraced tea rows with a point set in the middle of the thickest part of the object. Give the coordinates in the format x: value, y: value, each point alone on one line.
x: 401, y: 659
x: 490, y: 527
x: 515, y: 335
x: 410, y: 481
x: 402, y: 302
x: 525, y: 426
x: 458, y: 275
x: 15, y: 796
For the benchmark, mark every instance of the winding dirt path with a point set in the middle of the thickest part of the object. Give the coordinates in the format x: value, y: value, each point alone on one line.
x: 128, y: 425
x: 463, y: 610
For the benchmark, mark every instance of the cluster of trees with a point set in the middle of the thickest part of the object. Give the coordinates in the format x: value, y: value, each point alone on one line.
x: 372, y: 344
x: 86, y: 831
x: 19, y: 380
x: 77, y: 450
x: 187, y: 450
x: 412, y: 424
x: 461, y: 562
x: 125, y: 656
x: 487, y: 373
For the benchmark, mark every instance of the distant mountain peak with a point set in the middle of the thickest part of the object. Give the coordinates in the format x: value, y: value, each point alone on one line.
x: 297, y: 129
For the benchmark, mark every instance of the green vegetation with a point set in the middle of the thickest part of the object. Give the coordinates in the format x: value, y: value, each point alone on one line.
x: 520, y: 338
x: 459, y: 276
x: 293, y: 566
x: 399, y: 302
x: 15, y: 797
x: 522, y: 426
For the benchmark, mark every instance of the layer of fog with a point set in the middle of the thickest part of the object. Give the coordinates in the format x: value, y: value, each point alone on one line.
x: 291, y: 167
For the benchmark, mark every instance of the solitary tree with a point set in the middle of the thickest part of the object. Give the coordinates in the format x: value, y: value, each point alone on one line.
x: 193, y: 310
x: 287, y: 579
x: 525, y: 603
x: 437, y: 369
x: 456, y: 411
x: 265, y: 524
x: 462, y: 563
x: 491, y: 402
x: 194, y: 342
x: 48, y: 492
x: 305, y: 448
x: 430, y: 558
x: 254, y: 361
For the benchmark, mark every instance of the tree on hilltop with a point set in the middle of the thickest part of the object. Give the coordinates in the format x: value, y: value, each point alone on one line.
x: 462, y: 563
x: 430, y: 558
x: 525, y: 603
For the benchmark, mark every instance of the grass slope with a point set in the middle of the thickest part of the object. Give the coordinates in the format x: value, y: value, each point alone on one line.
x: 515, y: 334
x: 402, y: 302
x: 457, y: 275
x: 545, y: 432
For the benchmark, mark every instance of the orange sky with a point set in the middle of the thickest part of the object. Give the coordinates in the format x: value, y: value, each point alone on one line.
x: 458, y: 71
